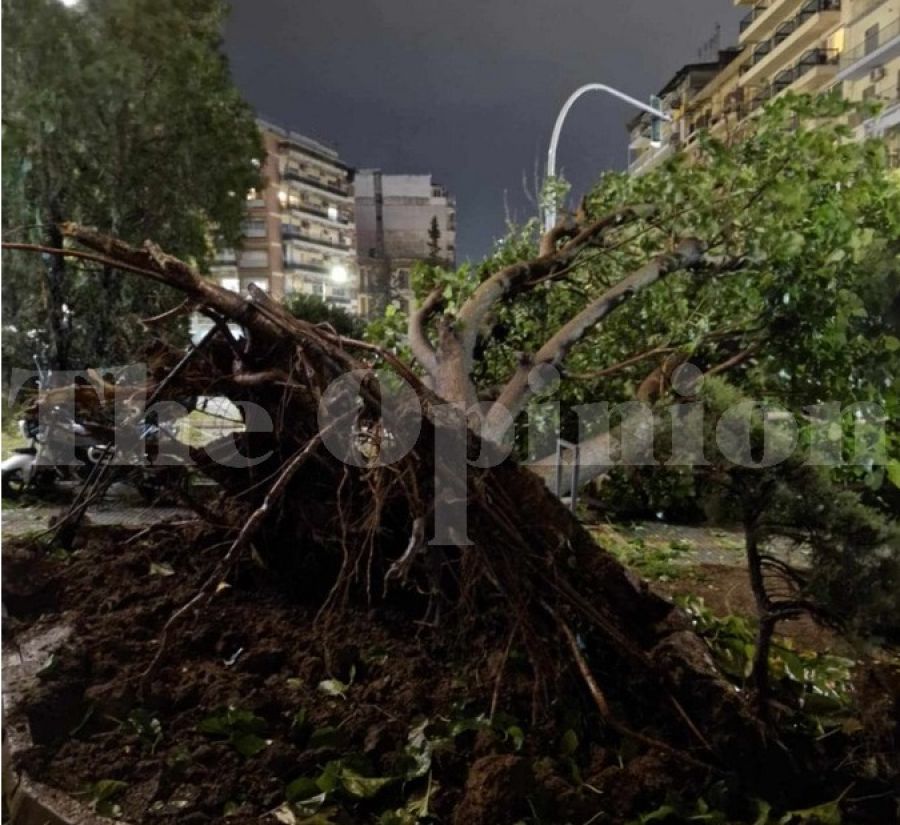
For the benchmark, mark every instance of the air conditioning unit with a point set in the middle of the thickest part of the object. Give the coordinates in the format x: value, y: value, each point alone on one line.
x: 878, y: 73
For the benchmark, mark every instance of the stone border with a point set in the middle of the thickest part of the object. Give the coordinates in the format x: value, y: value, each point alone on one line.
x: 31, y: 802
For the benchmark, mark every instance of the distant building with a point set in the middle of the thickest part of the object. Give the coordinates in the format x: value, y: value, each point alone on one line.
x: 851, y: 47
x: 681, y: 98
x: 869, y: 67
x: 400, y: 220
x: 299, y: 234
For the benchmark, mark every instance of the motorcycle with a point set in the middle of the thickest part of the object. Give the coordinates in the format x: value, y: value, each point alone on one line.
x: 37, y: 468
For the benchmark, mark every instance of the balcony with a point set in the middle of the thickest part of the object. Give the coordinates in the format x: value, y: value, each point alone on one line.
x: 791, y: 39
x: 651, y: 158
x: 752, y: 16
x: 319, y: 269
x: 764, y: 19
x: 320, y: 213
x: 291, y: 233
x: 340, y: 191
x: 876, y: 49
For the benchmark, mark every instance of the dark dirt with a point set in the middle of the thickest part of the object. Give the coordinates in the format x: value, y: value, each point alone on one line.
x: 256, y: 650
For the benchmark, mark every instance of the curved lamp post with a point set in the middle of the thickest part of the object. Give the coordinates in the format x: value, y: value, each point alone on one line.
x: 659, y: 115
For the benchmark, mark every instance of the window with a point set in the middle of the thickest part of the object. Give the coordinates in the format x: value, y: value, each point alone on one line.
x: 234, y: 284
x: 402, y: 279
x: 254, y: 259
x: 868, y: 93
x: 255, y: 228
x: 871, y: 38
x: 332, y: 213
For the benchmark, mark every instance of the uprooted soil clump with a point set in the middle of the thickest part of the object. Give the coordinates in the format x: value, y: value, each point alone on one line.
x: 258, y: 708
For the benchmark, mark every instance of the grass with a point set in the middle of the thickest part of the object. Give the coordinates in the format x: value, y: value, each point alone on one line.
x: 654, y: 559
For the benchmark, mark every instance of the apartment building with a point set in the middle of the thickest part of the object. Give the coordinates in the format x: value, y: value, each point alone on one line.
x: 790, y: 45
x: 400, y: 220
x: 869, y: 67
x: 686, y: 97
x: 804, y: 46
x: 299, y: 234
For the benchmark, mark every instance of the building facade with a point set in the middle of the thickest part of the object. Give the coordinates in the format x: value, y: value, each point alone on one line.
x: 850, y: 47
x: 685, y: 97
x: 869, y: 67
x: 400, y: 221
x: 299, y: 234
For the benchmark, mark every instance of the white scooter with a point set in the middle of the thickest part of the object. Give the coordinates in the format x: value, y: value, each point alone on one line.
x: 25, y: 471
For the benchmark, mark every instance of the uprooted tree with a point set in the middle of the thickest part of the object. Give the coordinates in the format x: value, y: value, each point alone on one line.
x: 359, y: 531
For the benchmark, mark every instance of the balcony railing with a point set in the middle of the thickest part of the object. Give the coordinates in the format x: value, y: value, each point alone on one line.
x: 752, y: 16
x: 292, y: 233
x: 784, y: 32
x: 306, y: 267
x: 320, y: 213
x: 343, y: 191
x: 816, y: 57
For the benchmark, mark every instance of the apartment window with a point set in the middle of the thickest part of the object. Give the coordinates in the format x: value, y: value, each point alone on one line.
x: 402, y: 279
x: 332, y: 213
x: 871, y: 38
x: 869, y: 93
x: 254, y: 259
x: 255, y: 228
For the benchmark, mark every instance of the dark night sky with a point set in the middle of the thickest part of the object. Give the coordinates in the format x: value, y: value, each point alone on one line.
x: 465, y: 90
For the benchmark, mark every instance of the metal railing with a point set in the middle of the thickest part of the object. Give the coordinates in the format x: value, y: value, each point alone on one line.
x: 787, y: 29
x: 319, y: 213
x: 752, y: 16
x: 294, y: 234
x: 328, y: 187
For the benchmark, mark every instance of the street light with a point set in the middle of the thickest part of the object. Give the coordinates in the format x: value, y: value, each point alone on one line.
x: 656, y: 110
x: 339, y: 274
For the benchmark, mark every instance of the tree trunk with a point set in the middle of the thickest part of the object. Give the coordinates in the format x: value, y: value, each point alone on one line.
x: 54, y: 271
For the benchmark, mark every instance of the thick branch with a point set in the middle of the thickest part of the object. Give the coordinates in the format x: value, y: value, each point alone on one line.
x: 421, y: 347
x: 517, y: 276
x: 519, y: 390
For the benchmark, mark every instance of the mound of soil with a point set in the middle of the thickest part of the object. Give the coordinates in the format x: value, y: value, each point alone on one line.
x: 256, y: 700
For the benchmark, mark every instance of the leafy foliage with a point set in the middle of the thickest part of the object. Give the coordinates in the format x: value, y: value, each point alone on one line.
x: 313, y: 309
x: 119, y: 115
x: 241, y: 728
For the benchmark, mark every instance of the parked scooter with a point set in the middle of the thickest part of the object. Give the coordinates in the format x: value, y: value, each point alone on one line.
x: 56, y: 436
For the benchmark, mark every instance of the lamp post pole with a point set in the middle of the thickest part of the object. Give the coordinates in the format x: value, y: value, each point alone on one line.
x: 550, y: 212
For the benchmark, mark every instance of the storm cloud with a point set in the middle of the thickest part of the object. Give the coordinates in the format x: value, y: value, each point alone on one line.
x: 465, y: 90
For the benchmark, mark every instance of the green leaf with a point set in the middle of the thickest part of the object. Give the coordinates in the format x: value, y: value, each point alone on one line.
x: 568, y: 743
x: 214, y: 725
x: 248, y: 744
x: 327, y: 737
x: 893, y: 472
x: 302, y: 788
x: 333, y: 687
x: 362, y: 787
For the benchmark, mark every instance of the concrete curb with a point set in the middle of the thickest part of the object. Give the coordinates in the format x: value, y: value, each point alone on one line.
x: 30, y: 802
